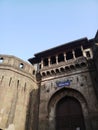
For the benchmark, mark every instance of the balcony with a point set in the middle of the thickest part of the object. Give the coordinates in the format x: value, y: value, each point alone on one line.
x: 70, y: 66
x: 79, y: 60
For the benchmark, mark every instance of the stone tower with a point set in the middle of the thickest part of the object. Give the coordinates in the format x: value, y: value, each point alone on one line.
x: 18, y: 94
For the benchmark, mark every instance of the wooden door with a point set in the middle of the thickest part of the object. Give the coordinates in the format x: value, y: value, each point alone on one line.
x: 69, y: 115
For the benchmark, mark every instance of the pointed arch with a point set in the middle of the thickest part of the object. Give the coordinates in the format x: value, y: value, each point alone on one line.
x: 57, y: 96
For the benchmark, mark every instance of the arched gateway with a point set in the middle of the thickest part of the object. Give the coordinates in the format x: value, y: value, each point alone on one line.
x: 68, y: 111
x: 67, y: 87
x: 69, y: 115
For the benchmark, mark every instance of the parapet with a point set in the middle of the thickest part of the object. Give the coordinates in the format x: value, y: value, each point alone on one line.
x: 17, y: 63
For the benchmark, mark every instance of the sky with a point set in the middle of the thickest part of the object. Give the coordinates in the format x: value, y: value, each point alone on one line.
x: 31, y: 26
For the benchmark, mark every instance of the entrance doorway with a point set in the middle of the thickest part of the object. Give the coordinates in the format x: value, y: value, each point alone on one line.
x: 69, y: 115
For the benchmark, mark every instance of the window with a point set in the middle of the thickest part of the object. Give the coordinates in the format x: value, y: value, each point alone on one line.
x: 53, y: 60
x: 67, y: 68
x: 43, y: 74
x: 21, y: 66
x: 61, y: 57
x: 52, y: 71
x: 39, y: 66
x: 45, y: 62
x: 33, y: 72
x: 1, y: 60
x: 48, y: 73
x: 78, y: 52
x: 69, y: 55
x: 88, y: 54
x: 57, y: 71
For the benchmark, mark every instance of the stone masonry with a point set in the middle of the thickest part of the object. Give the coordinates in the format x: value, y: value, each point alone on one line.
x: 17, y: 82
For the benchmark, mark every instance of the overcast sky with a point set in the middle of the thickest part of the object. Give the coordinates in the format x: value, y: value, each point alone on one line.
x: 31, y: 26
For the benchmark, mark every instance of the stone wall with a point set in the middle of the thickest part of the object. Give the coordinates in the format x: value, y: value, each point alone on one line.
x: 17, y: 81
x: 81, y: 84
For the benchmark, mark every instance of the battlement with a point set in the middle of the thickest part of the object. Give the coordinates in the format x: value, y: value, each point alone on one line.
x: 17, y: 63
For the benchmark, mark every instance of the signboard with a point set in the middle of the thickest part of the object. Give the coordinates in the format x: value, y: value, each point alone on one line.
x: 63, y: 83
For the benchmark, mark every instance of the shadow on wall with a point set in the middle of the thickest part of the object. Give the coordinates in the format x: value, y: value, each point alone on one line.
x: 93, y: 64
x: 93, y: 71
x: 32, y: 113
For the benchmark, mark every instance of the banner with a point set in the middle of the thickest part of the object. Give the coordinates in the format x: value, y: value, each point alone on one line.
x: 63, y: 83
